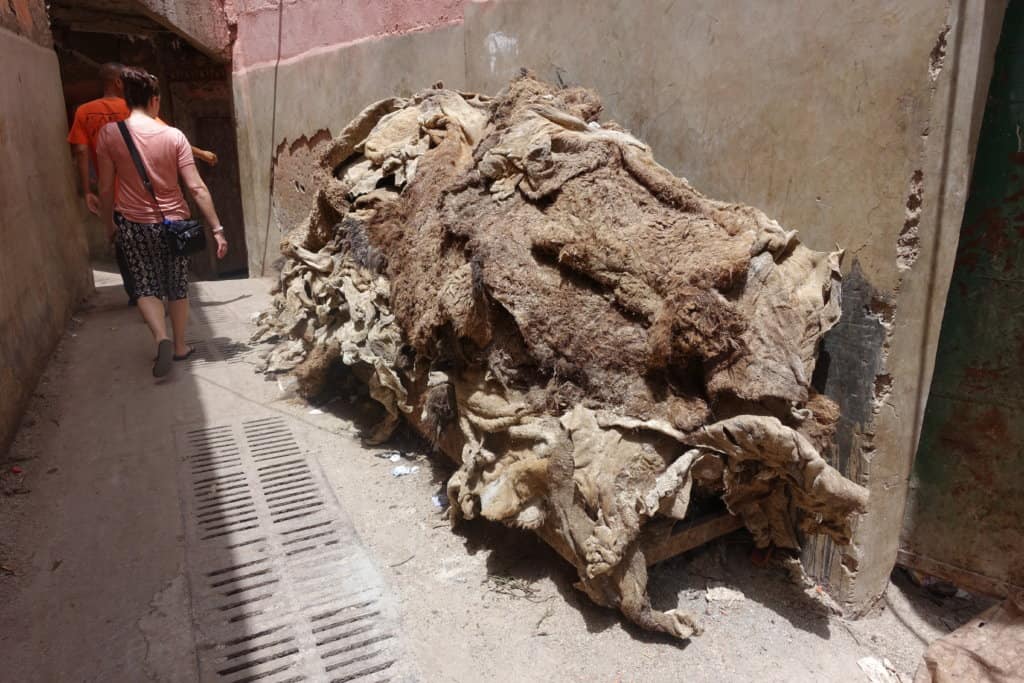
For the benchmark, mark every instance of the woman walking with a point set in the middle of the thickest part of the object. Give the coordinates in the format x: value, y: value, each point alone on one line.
x: 135, y: 218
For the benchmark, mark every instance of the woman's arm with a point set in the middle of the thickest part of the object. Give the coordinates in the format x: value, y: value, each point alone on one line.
x: 201, y: 194
x: 106, y: 188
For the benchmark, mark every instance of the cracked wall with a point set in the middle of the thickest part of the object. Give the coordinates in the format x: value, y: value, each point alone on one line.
x: 861, y: 140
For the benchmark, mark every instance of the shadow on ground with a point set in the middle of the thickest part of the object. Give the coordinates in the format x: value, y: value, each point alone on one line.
x: 942, y: 606
x: 519, y: 565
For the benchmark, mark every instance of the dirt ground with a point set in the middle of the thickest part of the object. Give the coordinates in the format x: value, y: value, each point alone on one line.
x: 91, y: 557
x: 499, y: 602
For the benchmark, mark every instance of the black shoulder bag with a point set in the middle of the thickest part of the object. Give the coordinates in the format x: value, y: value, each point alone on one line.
x: 184, y: 238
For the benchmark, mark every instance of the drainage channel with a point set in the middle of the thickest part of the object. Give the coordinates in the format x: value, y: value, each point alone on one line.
x: 282, y: 589
x: 225, y: 350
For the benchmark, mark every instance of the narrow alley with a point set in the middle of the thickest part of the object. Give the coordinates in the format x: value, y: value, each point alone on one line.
x: 153, y: 533
x: 529, y: 340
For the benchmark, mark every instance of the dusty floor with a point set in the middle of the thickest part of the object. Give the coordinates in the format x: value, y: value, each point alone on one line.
x: 92, y: 554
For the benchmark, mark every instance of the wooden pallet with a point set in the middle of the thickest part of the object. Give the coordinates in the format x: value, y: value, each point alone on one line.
x: 665, y: 540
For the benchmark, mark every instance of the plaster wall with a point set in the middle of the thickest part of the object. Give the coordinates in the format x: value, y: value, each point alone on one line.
x: 851, y: 122
x: 286, y: 111
x: 310, y: 25
x: 44, y: 266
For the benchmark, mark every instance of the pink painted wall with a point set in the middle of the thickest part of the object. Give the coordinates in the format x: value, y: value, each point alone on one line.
x: 311, y: 24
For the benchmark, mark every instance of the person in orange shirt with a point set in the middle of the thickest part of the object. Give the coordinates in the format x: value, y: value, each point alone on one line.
x: 89, y: 119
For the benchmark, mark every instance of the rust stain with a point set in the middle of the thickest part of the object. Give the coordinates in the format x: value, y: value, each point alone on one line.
x: 970, y: 467
x: 992, y: 424
x: 983, y: 378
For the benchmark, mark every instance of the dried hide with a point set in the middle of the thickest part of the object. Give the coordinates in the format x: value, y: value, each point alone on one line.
x: 589, y: 338
x: 987, y: 649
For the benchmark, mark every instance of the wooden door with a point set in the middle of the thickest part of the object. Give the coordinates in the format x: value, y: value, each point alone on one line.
x: 965, y: 514
x: 217, y: 134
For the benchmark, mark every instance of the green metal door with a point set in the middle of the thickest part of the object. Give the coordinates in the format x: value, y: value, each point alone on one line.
x: 965, y: 516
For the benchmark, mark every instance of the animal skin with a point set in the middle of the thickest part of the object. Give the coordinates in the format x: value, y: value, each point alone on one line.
x: 591, y: 340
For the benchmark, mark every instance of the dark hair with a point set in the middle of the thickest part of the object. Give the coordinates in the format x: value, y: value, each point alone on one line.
x: 140, y: 86
x: 111, y: 71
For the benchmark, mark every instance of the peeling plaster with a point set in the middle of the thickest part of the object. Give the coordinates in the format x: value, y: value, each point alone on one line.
x: 908, y: 243
x: 500, y: 44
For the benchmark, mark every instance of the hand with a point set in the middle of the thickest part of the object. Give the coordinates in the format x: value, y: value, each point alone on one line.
x: 222, y: 245
x: 208, y: 157
x: 92, y: 202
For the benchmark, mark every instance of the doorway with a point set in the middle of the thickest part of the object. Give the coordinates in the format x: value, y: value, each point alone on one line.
x: 965, y: 513
x: 197, y: 99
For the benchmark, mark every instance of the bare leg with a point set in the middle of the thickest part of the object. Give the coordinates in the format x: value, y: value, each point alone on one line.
x: 179, y: 320
x: 152, y: 310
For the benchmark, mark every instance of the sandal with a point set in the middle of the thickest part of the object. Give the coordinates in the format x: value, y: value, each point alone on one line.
x: 162, y: 362
x: 186, y: 355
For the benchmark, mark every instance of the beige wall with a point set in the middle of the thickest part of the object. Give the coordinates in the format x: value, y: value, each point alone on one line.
x: 316, y: 95
x: 44, y: 267
x: 851, y: 122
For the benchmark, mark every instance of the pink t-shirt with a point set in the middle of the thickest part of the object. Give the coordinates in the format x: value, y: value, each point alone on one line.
x: 164, y: 151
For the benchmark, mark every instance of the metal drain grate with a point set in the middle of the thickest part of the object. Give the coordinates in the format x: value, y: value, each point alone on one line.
x: 216, y: 314
x: 233, y: 351
x: 281, y: 588
x: 229, y: 351
x: 202, y: 356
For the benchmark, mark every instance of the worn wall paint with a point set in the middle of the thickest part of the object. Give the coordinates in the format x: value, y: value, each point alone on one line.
x: 965, y: 508
x: 311, y: 25
x: 851, y: 122
x: 44, y: 267
x: 281, y: 125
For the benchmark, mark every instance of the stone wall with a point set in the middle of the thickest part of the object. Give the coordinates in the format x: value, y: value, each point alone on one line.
x: 851, y: 122
x: 44, y: 267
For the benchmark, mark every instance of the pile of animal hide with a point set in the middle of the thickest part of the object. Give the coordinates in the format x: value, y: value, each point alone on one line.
x: 593, y: 341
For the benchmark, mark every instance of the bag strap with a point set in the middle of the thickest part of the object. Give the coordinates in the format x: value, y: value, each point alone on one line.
x: 139, y: 165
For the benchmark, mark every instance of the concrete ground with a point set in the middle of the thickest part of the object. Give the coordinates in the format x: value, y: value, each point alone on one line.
x: 93, y: 562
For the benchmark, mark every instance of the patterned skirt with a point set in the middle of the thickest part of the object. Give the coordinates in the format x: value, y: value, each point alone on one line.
x: 157, y: 272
